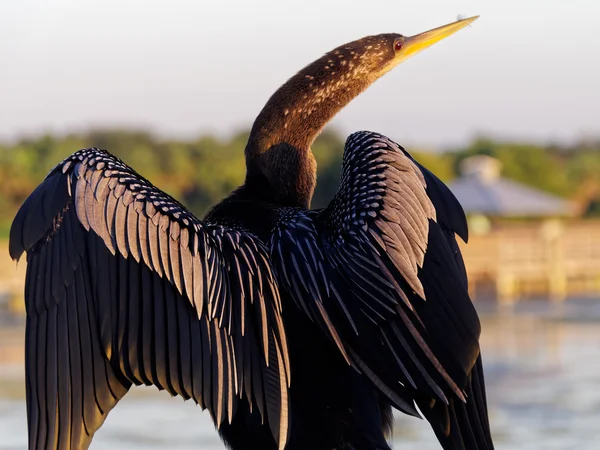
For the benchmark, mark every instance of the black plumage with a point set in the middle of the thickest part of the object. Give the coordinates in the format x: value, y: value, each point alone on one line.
x: 295, y: 328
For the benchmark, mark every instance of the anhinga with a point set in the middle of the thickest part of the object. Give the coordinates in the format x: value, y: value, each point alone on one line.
x: 295, y: 328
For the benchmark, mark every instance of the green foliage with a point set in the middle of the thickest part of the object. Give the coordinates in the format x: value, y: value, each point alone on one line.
x: 202, y: 171
x: 328, y: 150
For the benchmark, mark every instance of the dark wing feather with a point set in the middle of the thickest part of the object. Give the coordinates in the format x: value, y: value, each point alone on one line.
x: 124, y: 286
x: 379, y: 269
x: 449, y: 211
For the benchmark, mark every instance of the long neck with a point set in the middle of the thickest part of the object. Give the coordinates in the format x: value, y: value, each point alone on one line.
x: 278, y: 148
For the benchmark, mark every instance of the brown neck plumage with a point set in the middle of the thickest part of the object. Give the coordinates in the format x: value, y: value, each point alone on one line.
x: 278, y: 148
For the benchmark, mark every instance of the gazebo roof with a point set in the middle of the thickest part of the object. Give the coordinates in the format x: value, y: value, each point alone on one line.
x: 480, y: 189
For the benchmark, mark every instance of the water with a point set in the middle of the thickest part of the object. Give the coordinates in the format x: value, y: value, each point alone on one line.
x: 542, y: 372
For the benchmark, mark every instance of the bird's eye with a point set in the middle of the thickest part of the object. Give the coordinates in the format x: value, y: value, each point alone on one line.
x: 398, y: 45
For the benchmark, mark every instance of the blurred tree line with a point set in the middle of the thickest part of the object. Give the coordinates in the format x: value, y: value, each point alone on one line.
x: 200, y: 172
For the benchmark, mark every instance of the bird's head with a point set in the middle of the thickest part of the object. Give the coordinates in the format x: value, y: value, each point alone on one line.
x: 297, y: 112
x: 374, y: 56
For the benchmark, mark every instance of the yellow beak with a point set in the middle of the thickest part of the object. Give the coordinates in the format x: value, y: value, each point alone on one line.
x: 414, y: 44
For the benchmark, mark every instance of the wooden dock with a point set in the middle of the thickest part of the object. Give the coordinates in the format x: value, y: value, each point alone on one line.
x: 554, y: 259
x: 511, y: 262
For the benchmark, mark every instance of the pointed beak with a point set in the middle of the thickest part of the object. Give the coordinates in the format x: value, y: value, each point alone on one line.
x: 414, y: 44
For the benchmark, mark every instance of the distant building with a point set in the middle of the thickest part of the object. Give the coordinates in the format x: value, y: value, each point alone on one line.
x: 482, y: 191
x: 514, y: 259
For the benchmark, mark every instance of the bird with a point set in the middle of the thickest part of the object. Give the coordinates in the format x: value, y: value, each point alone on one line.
x: 296, y: 328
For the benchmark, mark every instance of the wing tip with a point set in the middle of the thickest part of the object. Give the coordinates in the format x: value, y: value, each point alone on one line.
x: 15, y: 251
x: 463, y: 230
x: 34, y: 219
x: 15, y: 237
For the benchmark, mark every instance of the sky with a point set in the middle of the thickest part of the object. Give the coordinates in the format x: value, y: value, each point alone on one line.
x: 527, y: 69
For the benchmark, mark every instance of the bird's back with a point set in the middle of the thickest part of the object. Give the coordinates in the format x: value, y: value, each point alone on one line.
x: 331, y: 405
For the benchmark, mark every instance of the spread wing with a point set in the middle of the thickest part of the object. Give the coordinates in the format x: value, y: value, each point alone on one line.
x: 125, y: 286
x: 380, y: 270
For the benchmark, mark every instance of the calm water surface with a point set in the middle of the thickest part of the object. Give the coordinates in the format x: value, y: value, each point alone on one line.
x: 542, y: 372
